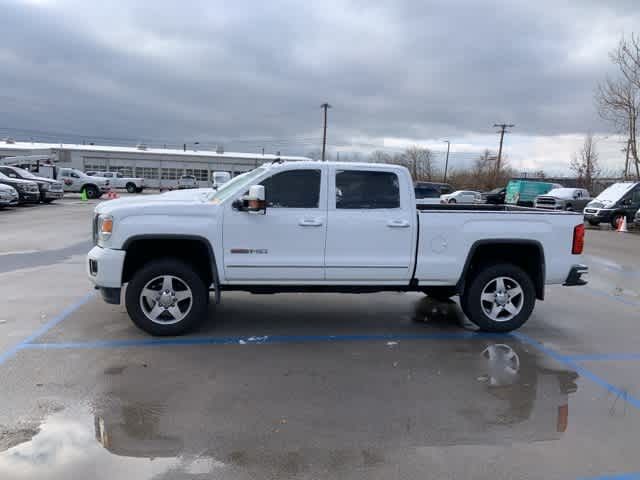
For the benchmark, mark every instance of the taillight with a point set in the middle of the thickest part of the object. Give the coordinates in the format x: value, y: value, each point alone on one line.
x: 578, y: 239
x: 563, y: 418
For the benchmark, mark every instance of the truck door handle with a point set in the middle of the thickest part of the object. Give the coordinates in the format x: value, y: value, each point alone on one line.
x: 398, y: 224
x: 310, y: 222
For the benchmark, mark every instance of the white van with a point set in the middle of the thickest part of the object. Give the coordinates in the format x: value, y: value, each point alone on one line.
x: 613, y: 204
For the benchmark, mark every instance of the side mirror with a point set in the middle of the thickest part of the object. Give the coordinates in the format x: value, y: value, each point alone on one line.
x: 254, y: 202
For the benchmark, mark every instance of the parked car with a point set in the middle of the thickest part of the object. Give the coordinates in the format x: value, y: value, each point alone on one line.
x: 118, y: 180
x: 614, y: 203
x: 326, y: 227
x: 219, y: 179
x: 636, y: 219
x: 8, y: 196
x: 462, y: 196
x: 524, y: 192
x: 76, y: 181
x: 187, y: 181
x: 50, y: 190
x: 570, y: 199
x: 28, y: 191
x: 429, y: 192
x: 495, y: 196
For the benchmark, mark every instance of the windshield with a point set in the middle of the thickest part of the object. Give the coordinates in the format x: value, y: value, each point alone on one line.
x: 614, y: 192
x: 24, y: 173
x: 238, y: 183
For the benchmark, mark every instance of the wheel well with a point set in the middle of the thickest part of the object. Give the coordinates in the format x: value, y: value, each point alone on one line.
x: 90, y: 185
x: 527, y: 255
x: 195, y: 252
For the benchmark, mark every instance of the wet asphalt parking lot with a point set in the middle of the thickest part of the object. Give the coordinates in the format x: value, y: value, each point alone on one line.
x: 389, y: 386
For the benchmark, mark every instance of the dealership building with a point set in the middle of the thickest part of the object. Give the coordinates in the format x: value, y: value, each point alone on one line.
x: 160, y: 167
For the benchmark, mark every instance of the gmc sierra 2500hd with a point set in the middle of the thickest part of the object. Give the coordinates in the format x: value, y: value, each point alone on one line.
x: 327, y: 227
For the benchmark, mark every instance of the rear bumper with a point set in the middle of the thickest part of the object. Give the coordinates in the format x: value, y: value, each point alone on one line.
x: 574, y: 279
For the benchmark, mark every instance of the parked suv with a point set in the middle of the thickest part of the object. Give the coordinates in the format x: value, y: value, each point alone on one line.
x: 429, y: 192
x: 570, y: 199
x: 187, y: 181
x: 28, y: 191
x: 50, y: 190
x: 8, y: 196
x: 616, y: 202
x: 495, y: 196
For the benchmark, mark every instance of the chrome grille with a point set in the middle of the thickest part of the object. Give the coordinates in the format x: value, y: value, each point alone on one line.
x: 546, y: 201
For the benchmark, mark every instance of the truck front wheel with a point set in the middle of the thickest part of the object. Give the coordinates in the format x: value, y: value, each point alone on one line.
x: 499, y: 298
x: 91, y: 191
x: 167, y: 297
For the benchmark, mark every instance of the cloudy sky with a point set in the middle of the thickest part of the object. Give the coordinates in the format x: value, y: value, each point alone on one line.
x: 252, y: 73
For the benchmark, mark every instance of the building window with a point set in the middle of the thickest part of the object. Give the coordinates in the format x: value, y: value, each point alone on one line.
x: 125, y: 171
x: 170, y: 173
x: 147, y: 173
x: 199, y: 174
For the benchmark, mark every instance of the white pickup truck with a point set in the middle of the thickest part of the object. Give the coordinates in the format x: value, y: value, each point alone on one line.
x: 327, y: 227
x: 118, y: 180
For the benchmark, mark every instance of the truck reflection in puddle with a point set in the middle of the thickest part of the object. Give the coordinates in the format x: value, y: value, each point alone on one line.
x: 284, y: 409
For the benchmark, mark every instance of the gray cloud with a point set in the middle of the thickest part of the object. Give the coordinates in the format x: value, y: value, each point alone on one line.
x: 245, y: 71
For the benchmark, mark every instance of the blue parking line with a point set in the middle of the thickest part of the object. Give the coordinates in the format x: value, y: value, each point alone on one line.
x: 582, y: 371
x: 261, y: 340
x: 45, y: 328
x: 617, y: 476
x: 617, y: 298
x: 593, y: 357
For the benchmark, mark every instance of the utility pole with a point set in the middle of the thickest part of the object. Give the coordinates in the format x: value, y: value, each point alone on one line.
x: 626, y: 160
x: 446, y: 162
x: 325, y: 106
x: 503, y: 129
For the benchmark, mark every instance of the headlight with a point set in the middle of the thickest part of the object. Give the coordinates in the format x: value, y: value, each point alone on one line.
x: 105, y: 227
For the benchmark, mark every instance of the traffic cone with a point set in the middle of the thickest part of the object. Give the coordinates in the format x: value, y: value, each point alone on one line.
x: 622, y: 226
x: 83, y: 195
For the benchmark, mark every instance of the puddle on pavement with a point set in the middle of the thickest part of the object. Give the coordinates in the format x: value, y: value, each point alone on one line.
x: 148, y: 424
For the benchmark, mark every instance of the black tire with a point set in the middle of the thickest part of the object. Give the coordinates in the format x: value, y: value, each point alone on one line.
x: 186, y: 274
x: 440, y: 292
x: 139, y: 189
x: 131, y: 187
x: 593, y: 223
x: 569, y: 208
x: 92, y: 191
x: 474, y: 308
x: 47, y: 200
x: 615, y: 218
x: 453, y: 200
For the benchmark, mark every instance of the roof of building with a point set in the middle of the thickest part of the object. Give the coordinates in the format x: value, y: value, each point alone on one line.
x: 27, y: 146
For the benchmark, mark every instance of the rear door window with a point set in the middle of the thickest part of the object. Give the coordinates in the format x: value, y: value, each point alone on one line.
x: 361, y: 189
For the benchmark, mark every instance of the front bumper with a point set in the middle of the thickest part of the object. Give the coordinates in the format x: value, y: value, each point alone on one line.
x: 574, y: 278
x: 49, y: 195
x: 104, y: 267
x: 600, y: 215
x: 28, y: 197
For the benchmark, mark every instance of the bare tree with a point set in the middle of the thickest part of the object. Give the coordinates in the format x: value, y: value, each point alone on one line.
x: 585, y: 163
x: 379, y: 156
x: 618, y: 99
x: 420, y: 162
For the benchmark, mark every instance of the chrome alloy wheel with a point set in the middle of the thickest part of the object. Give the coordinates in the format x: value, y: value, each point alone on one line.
x: 166, y: 300
x: 502, y: 299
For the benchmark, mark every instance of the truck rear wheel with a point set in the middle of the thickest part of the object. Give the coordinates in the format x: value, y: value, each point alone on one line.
x: 499, y: 298
x: 167, y: 297
x: 131, y: 187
